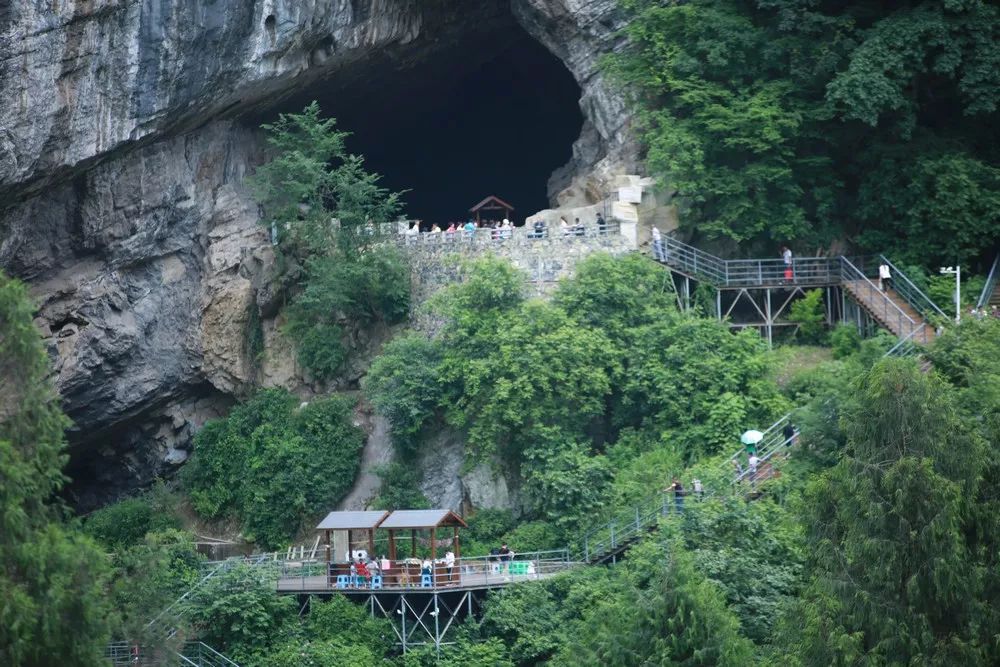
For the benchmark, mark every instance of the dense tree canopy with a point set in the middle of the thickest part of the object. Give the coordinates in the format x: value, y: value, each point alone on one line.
x: 805, y: 121
x: 52, y: 607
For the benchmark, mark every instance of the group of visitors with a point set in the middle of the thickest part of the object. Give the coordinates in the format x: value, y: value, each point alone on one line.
x: 983, y: 313
x: 676, y: 488
x: 789, y: 437
x: 365, y: 569
x: 500, y: 558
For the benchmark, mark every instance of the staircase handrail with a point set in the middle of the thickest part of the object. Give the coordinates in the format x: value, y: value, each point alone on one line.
x: 854, y: 273
x: 913, y: 294
x: 991, y: 284
x: 904, y: 347
x: 216, y: 657
x: 697, y: 262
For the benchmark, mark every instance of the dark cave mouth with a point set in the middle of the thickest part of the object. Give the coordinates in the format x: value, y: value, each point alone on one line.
x: 491, y: 114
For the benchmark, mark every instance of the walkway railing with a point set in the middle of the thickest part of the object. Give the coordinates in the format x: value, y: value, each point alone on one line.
x: 876, y: 301
x: 990, y: 286
x: 408, y: 574
x: 200, y: 654
x: 911, y: 293
x: 486, y: 237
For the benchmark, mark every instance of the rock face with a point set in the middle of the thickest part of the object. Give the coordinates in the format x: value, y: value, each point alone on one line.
x: 125, y: 136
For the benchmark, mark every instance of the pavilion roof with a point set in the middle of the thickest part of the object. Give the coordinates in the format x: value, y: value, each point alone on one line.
x: 422, y: 519
x: 492, y: 199
x: 352, y: 520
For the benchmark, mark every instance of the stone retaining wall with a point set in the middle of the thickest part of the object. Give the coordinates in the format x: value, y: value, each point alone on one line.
x: 438, y: 259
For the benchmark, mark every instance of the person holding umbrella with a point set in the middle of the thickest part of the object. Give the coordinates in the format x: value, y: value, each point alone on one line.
x: 750, y: 440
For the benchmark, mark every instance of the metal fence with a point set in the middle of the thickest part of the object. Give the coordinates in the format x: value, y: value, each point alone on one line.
x: 875, y: 301
x: 410, y: 574
x: 990, y: 286
x: 912, y: 294
x: 486, y: 237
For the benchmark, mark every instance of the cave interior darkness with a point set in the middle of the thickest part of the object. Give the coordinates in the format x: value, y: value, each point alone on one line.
x: 495, y: 114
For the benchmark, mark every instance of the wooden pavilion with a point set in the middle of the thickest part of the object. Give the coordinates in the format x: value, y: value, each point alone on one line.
x: 492, y: 203
x: 414, y: 520
x: 366, y: 521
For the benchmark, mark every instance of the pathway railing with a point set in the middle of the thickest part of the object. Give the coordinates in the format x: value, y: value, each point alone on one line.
x: 876, y: 301
x: 486, y: 237
x: 991, y: 284
x: 409, y: 574
x: 911, y: 293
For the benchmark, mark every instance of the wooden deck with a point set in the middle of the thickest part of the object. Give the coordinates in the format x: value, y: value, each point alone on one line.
x: 466, y: 581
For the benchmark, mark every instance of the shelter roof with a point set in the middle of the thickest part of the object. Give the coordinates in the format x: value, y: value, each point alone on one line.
x: 352, y: 520
x: 422, y: 519
x: 492, y: 199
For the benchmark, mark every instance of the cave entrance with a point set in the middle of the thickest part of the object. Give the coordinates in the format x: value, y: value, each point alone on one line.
x: 494, y: 112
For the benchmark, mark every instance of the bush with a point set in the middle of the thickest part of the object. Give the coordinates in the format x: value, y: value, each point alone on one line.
x: 807, y: 312
x: 845, y: 340
x: 127, y: 522
x: 273, y: 465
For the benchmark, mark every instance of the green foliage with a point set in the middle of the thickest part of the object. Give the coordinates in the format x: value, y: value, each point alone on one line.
x: 127, y: 521
x: 845, y: 340
x: 782, y: 120
x: 271, y: 464
x: 487, y: 528
x: 238, y: 613
x: 149, y: 574
x: 400, y: 488
x: 404, y: 385
x: 53, y: 578
x: 807, y: 312
x: 330, y: 214
x: 665, y: 613
x: 894, y: 504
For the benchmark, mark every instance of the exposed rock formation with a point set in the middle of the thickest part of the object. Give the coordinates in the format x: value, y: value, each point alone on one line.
x: 124, y: 141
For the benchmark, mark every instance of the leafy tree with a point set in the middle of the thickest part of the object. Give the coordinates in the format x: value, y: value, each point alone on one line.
x: 404, y: 385
x: 52, y: 581
x: 238, y: 613
x: 666, y: 613
x: 127, y: 522
x: 893, y: 579
x: 783, y: 120
x: 807, y: 312
x: 400, y: 488
x: 330, y: 213
x: 271, y: 464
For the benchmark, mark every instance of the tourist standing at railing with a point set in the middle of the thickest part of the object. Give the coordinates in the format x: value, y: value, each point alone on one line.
x: 790, y: 433
x: 449, y: 563
x: 678, y: 490
x: 505, y: 557
x: 602, y: 225
x: 539, y: 229
x: 699, y: 490
x: 753, y: 461
x: 658, y: 253
x: 786, y: 256
x: 578, y: 227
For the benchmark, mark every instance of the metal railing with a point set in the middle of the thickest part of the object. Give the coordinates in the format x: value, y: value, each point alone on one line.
x: 200, y: 654
x: 912, y: 294
x: 411, y: 573
x: 990, y: 286
x: 875, y: 301
x: 487, y: 237
x: 804, y: 271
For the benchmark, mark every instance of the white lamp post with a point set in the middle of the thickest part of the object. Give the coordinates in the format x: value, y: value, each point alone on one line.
x: 957, y: 272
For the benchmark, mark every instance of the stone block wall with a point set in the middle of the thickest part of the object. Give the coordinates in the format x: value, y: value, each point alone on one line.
x: 438, y: 260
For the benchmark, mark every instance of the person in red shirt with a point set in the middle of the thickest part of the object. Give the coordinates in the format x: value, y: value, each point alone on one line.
x: 363, y: 573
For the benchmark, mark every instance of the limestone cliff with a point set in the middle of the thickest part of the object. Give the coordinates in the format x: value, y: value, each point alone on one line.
x: 126, y: 130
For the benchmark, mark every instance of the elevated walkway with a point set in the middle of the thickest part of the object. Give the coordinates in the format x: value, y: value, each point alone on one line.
x: 759, y: 292
x: 989, y: 298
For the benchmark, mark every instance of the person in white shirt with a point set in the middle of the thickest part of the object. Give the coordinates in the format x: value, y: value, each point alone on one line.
x: 658, y: 253
x: 884, y: 277
x: 753, y: 464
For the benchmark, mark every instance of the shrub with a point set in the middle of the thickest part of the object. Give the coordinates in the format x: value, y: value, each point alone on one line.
x: 807, y: 312
x: 273, y: 465
x: 845, y: 340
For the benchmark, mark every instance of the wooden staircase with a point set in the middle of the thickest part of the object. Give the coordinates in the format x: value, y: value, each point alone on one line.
x: 890, y: 310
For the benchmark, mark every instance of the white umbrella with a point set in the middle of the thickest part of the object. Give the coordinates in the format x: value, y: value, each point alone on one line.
x: 751, y: 437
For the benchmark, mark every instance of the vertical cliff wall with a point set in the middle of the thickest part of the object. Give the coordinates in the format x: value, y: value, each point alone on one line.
x: 126, y: 130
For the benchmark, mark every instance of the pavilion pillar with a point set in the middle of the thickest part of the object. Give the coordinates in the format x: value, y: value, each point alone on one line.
x: 392, y: 545
x: 413, y: 543
x: 371, y: 542
x: 350, y: 547
x: 454, y: 542
x: 434, y: 549
x: 328, y: 554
